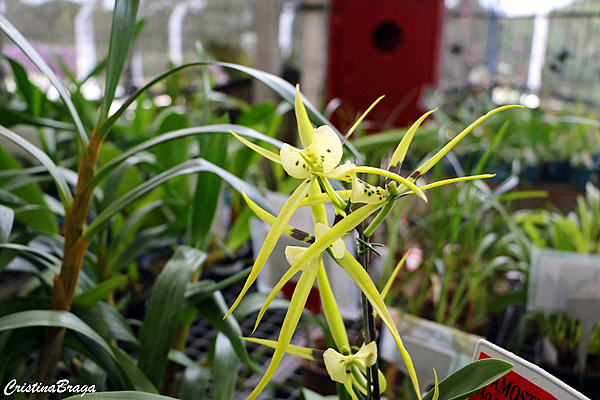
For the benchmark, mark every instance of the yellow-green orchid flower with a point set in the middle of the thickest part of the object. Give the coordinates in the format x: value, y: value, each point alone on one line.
x: 347, y: 369
x: 319, y: 159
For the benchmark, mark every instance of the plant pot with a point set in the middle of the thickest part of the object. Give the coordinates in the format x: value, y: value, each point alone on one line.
x: 587, y: 383
x: 532, y: 174
x: 558, y: 171
x: 580, y: 176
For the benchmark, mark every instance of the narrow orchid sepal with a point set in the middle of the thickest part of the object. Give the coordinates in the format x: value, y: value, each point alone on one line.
x: 288, y: 327
x: 318, y: 247
x: 400, y: 152
x: 396, y: 177
x: 305, y: 128
x: 353, y: 128
x: 366, y: 285
x: 260, y: 150
x: 270, y: 219
x: 273, y: 236
x: 433, y: 160
x: 388, y: 284
x: 450, y: 181
x: 298, y: 351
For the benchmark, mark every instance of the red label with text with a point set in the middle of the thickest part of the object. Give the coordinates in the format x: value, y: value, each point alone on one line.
x: 511, y: 386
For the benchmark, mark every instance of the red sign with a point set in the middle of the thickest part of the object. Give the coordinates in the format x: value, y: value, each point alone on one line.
x: 511, y: 386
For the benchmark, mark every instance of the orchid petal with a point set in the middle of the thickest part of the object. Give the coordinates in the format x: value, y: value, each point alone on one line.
x: 362, y: 192
x: 305, y: 128
x: 290, y: 231
x: 260, y: 150
x: 400, y: 152
x: 406, y: 182
x: 336, y: 365
x: 293, y: 163
x: 455, y: 180
x: 318, y: 247
x: 289, y: 326
x: 433, y: 160
x: 326, y: 147
x: 343, y: 172
x: 366, y: 356
x: 362, y: 117
x: 277, y: 229
x: 298, y: 351
x: 366, y: 285
x: 323, y: 198
x: 388, y: 284
x: 338, y: 248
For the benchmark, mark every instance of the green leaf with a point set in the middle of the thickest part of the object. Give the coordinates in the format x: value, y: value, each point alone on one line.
x: 193, y: 383
x: 213, y: 309
x: 61, y: 184
x: 136, y: 377
x: 38, y: 61
x: 164, y: 310
x: 106, y: 321
x: 102, y: 172
x: 470, y: 379
x: 189, y: 167
x: 93, y: 351
x: 224, y: 369
x: 208, y: 191
x: 54, y: 318
x: 97, y: 293
x: 7, y: 217
x: 279, y: 85
x: 121, y: 37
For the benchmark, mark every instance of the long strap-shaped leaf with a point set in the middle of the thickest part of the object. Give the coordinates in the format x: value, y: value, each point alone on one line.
x: 102, y: 172
x: 38, y: 61
x: 317, y: 249
x: 277, y: 84
x: 366, y: 285
x: 54, y: 318
x: 61, y: 184
x: 189, y: 167
x: 279, y: 226
x: 121, y: 37
x: 164, y: 310
x: 288, y: 327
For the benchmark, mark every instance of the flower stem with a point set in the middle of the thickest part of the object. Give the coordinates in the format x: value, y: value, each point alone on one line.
x: 368, y: 318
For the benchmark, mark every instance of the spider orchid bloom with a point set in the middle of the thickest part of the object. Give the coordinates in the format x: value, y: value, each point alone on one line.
x: 347, y: 369
x: 339, y: 366
x: 318, y: 159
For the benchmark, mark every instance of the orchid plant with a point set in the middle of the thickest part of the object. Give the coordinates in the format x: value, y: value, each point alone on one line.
x: 317, y: 164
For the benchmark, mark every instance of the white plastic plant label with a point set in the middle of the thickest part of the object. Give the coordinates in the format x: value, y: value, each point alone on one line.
x: 428, y: 343
x: 526, y: 381
x: 556, y: 275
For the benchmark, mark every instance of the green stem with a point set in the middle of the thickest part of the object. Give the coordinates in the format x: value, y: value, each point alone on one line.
x: 369, y: 318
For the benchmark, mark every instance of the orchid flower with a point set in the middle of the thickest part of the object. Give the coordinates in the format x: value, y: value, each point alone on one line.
x: 347, y: 369
x: 318, y: 161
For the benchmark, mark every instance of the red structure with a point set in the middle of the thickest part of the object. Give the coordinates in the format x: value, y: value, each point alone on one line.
x: 383, y: 47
